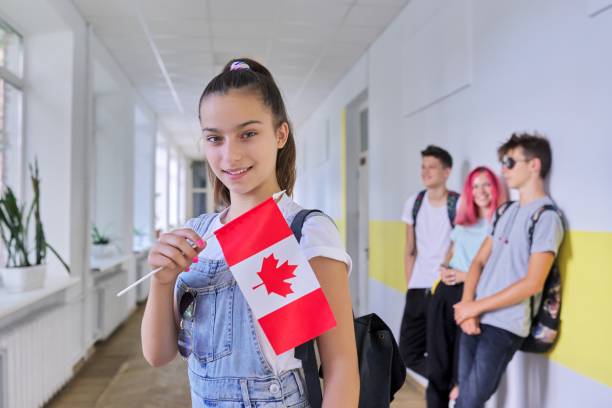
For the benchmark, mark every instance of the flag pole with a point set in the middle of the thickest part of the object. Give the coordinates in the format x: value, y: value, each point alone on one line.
x: 275, y: 197
x: 154, y: 271
x: 278, y: 195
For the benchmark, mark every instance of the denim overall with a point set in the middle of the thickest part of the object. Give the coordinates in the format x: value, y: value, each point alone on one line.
x: 227, y: 368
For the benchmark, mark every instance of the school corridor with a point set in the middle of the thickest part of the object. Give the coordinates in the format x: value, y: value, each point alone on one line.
x: 101, y: 147
x: 118, y: 376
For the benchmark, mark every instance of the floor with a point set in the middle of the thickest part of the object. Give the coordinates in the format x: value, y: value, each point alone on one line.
x: 118, y: 376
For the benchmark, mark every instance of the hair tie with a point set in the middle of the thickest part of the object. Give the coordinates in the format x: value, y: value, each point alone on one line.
x: 237, y: 65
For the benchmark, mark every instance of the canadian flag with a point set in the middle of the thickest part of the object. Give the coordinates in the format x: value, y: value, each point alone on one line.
x: 274, y: 276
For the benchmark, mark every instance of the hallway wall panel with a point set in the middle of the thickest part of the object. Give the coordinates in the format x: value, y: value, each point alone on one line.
x: 536, y: 66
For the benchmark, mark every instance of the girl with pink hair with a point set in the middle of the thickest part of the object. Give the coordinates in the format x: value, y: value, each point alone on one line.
x: 482, y: 194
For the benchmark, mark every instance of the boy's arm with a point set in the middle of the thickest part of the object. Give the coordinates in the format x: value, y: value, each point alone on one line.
x: 547, y: 238
x: 409, y: 258
x: 449, y: 253
x: 409, y: 250
x: 539, y: 266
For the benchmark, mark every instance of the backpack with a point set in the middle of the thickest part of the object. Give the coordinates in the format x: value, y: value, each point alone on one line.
x: 545, y: 323
x: 381, y: 369
x: 451, y: 208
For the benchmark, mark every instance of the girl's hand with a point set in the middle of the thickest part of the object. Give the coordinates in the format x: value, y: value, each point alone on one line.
x: 174, y: 253
x: 447, y: 275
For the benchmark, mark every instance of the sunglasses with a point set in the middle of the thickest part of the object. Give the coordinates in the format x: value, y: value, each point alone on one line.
x: 185, y: 334
x: 509, y: 162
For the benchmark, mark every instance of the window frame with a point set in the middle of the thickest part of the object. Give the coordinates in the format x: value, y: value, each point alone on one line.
x: 17, y: 82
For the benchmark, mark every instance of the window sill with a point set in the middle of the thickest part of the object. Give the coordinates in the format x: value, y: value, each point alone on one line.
x: 16, y: 306
x: 101, y: 266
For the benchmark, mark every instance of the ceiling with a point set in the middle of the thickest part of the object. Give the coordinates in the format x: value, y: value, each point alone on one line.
x: 170, y: 49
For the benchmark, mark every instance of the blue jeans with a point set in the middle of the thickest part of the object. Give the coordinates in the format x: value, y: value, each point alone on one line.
x: 482, y: 362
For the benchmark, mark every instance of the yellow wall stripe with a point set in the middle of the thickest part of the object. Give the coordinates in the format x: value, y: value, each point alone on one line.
x: 387, y: 241
x: 586, y: 322
x: 586, y: 259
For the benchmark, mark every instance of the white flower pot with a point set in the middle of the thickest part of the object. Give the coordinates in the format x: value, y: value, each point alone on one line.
x: 101, y: 251
x: 24, y: 278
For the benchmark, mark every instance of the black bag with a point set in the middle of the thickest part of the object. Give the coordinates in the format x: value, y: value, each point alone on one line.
x: 545, y: 323
x: 381, y: 369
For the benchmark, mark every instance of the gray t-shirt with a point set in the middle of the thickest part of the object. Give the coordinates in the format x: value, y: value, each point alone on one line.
x: 509, y: 260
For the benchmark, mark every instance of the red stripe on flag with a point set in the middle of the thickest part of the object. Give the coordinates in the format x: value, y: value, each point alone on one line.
x: 252, y: 232
x: 297, y: 322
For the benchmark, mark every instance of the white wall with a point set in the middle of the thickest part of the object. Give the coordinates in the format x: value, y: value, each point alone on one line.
x: 318, y: 165
x: 114, y: 139
x: 465, y: 75
x: 530, y: 72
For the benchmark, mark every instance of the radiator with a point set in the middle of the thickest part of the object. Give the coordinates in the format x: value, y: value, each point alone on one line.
x: 111, y: 310
x: 37, y: 356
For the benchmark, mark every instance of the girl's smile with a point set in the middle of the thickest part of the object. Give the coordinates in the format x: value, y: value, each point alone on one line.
x: 236, y: 174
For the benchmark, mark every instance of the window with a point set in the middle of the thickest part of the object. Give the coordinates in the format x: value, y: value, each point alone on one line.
x: 161, y: 185
x: 173, y: 188
x: 11, y: 96
x: 182, y: 187
x: 199, y: 188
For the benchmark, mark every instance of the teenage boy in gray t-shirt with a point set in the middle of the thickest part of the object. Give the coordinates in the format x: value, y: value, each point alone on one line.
x: 494, y: 313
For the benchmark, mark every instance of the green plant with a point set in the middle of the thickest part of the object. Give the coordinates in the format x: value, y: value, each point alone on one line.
x: 15, y: 227
x: 97, y: 237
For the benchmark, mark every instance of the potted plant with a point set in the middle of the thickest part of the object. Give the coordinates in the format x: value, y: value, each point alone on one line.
x: 20, y: 272
x: 101, y: 243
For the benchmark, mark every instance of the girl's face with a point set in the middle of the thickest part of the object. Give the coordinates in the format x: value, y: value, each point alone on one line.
x: 482, y: 190
x: 241, y: 142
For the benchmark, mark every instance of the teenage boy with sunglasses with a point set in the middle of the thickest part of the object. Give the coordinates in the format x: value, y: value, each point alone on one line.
x: 495, y: 311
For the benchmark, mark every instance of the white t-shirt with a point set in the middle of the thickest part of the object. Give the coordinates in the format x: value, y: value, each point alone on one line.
x: 320, y: 237
x: 433, y: 231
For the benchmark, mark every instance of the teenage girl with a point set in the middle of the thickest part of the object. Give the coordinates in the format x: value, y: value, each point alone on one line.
x: 201, y: 313
x: 482, y: 194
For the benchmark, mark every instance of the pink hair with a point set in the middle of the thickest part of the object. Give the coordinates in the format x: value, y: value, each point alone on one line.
x: 467, y: 211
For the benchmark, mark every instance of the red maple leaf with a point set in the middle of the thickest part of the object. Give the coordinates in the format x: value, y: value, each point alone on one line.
x: 274, y: 278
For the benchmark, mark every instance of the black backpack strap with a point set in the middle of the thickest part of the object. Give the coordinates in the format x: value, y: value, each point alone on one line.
x: 418, y: 202
x: 499, y: 212
x: 451, y: 206
x: 535, y: 217
x: 306, y: 351
x: 298, y: 222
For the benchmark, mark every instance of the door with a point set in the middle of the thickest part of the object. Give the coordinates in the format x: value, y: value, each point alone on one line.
x: 363, y: 216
